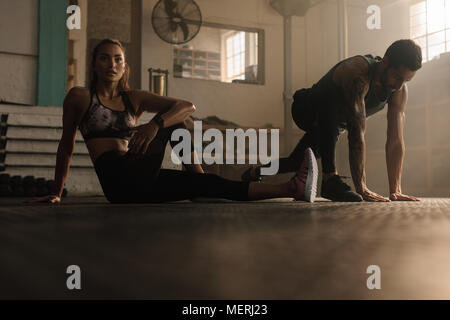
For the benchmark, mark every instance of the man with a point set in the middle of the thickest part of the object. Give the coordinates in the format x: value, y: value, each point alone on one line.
x: 352, y: 90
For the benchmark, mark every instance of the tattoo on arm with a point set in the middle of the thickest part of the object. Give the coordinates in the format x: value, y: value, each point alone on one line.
x: 356, y: 120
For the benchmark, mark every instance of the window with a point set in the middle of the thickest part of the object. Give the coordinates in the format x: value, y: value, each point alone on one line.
x: 222, y: 53
x: 430, y: 27
x: 235, y: 56
x: 241, y: 56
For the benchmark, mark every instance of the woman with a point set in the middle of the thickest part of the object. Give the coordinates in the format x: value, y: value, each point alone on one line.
x: 129, y: 166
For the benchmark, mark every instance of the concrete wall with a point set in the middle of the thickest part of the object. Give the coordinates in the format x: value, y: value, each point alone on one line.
x: 115, y: 19
x: 19, y: 21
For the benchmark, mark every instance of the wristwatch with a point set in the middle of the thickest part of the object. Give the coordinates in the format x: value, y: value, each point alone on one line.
x: 159, y: 121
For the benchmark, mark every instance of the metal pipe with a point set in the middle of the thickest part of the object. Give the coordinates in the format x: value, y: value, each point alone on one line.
x: 287, y: 93
x: 150, y: 80
x: 342, y: 29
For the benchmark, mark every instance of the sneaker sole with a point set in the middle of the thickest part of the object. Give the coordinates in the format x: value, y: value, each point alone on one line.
x: 311, y: 180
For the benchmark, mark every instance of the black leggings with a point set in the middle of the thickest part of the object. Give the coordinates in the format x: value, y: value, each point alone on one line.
x: 322, y: 133
x: 138, y: 178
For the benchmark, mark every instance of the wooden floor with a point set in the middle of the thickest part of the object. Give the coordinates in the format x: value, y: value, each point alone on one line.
x: 255, y: 250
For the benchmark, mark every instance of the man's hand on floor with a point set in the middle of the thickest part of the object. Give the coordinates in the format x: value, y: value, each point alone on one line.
x: 402, y: 197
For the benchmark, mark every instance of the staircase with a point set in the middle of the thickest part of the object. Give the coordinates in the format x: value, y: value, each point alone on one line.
x: 28, y: 146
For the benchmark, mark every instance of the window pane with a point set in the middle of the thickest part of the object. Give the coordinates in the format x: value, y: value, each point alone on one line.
x: 417, y: 8
x: 236, y: 48
x: 236, y: 56
x: 447, y: 13
x: 418, y: 19
x: 418, y: 31
x: 229, y: 67
x: 242, y: 42
x: 422, y: 42
x: 236, y: 65
x: 229, y: 46
x: 436, y: 38
x: 435, y: 51
x: 435, y: 15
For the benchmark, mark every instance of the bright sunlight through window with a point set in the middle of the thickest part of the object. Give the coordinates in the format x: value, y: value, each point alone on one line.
x: 430, y: 27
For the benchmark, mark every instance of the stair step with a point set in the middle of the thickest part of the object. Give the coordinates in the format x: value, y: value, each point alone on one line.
x: 33, y: 133
x: 41, y: 146
x: 44, y: 159
x: 27, y: 119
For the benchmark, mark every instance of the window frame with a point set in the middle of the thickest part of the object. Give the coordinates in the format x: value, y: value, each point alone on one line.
x: 445, y: 30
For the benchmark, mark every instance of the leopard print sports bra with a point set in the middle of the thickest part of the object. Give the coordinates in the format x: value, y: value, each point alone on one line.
x: 99, y: 121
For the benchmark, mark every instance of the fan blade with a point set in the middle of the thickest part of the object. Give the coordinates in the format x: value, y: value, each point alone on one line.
x: 181, y: 10
x: 160, y: 18
x: 169, y: 6
x: 173, y: 26
x: 185, y: 29
x: 192, y: 11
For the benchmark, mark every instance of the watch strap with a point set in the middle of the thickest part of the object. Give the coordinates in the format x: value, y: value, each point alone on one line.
x: 159, y: 121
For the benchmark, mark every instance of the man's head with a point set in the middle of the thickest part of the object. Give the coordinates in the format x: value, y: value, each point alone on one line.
x: 400, y: 63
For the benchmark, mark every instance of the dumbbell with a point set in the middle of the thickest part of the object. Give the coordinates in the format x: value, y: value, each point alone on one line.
x: 17, y: 186
x: 5, y: 178
x: 41, y: 187
x: 5, y: 190
x: 29, y: 185
x: 16, y: 181
x: 5, y: 187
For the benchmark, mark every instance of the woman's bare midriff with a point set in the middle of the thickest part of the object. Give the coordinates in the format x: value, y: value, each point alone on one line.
x: 98, y: 146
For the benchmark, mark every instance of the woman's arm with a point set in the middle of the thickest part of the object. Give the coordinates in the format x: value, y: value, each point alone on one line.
x: 173, y: 111
x: 74, y: 107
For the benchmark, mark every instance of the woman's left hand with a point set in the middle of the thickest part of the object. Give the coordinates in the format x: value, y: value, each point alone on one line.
x: 144, y: 134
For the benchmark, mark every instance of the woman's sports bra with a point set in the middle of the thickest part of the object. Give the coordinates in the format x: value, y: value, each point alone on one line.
x: 99, y: 121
